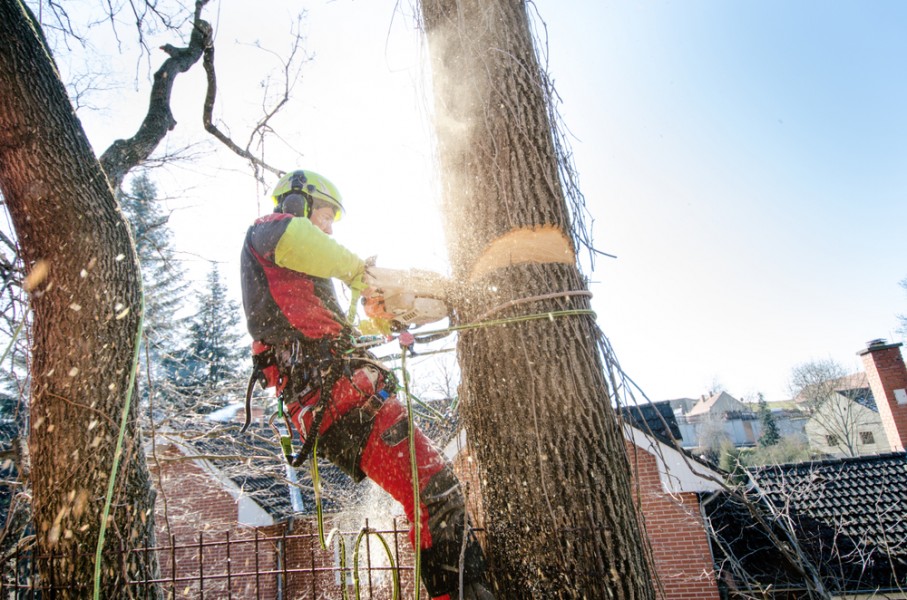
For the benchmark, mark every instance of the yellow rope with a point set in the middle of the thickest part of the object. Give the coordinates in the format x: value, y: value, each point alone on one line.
x: 364, y: 533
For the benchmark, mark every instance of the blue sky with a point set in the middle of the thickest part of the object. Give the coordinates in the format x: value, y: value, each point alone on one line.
x: 743, y: 160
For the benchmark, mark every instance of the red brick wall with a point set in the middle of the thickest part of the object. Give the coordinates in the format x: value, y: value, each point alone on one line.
x: 202, y: 518
x: 194, y: 518
x: 886, y: 372
x: 677, y: 536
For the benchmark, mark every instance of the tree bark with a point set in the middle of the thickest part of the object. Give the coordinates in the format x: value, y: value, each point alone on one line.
x: 535, y: 395
x: 86, y: 297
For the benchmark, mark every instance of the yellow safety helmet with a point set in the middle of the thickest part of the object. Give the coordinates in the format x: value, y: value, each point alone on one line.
x: 312, y: 186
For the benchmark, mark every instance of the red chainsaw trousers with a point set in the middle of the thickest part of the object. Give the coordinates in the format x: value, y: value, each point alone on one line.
x: 367, y: 433
x: 385, y: 458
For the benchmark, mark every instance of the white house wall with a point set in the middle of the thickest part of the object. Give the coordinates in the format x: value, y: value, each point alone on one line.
x: 863, y: 420
x: 677, y: 472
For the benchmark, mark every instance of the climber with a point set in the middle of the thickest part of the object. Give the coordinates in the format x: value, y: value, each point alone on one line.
x: 335, y: 393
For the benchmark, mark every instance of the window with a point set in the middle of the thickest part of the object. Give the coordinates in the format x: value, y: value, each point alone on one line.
x: 831, y: 439
x: 866, y: 437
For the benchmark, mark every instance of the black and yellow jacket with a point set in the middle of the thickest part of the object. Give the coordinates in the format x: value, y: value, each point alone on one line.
x: 286, y: 267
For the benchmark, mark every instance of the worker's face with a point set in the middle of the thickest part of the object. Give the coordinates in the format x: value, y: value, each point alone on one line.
x: 323, y: 216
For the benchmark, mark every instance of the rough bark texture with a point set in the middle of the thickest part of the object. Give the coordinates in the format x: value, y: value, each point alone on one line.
x: 535, y: 396
x: 86, y: 315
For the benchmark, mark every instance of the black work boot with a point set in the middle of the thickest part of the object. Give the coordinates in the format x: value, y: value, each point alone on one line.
x: 471, y: 591
x: 447, y: 523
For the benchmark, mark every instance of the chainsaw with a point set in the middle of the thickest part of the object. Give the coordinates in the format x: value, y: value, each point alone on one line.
x: 406, y: 298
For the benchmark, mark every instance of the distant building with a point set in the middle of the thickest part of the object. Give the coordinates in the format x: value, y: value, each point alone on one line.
x: 866, y: 413
x: 835, y: 526
x: 718, y: 418
x: 712, y: 420
x: 847, y: 423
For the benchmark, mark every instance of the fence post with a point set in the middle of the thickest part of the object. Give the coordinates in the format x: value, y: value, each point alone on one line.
x: 52, y: 571
x: 172, y: 565
x: 201, y: 565
x: 314, y: 572
x: 257, y: 570
x: 229, y: 569
x: 283, y: 562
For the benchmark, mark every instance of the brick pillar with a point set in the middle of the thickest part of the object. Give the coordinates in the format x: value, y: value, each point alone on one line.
x: 683, y: 563
x: 888, y: 379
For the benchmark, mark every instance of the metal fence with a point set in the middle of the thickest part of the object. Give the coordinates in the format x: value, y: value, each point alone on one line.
x: 365, y: 563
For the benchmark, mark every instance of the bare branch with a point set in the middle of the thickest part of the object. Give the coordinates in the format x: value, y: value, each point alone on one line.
x: 211, y: 128
x: 291, y: 68
x: 123, y: 155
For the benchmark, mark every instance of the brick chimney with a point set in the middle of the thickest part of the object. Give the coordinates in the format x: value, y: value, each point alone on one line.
x: 888, y: 379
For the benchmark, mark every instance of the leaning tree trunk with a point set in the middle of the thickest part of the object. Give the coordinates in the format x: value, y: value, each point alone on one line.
x: 535, y: 395
x: 86, y: 297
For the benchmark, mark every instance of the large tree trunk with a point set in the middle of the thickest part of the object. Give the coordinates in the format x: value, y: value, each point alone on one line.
x: 87, y: 307
x: 535, y: 395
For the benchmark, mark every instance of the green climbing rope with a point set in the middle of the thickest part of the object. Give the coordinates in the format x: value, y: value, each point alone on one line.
x: 367, y: 341
x: 414, y: 475
x: 124, y: 420
x: 390, y: 557
x: 12, y: 340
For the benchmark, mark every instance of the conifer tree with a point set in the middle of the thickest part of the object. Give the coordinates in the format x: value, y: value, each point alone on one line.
x: 162, y: 275
x: 770, y: 435
x: 211, y: 361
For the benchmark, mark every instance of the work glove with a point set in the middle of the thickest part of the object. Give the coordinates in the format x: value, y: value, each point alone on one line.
x: 379, y: 320
x: 358, y: 284
x: 376, y: 327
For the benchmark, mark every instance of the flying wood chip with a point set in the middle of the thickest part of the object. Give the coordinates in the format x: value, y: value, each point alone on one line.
x: 37, y: 275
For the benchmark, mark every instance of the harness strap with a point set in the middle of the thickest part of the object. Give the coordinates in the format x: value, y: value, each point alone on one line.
x: 315, y: 366
x: 327, y: 380
x: 264, y: 363
x: 253, y: 379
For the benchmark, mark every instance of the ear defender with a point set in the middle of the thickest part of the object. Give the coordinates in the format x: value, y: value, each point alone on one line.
x: 295, y: 199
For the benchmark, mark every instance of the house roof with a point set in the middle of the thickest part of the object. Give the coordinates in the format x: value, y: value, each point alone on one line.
x: 852, y: 381
x: 722, y: 400
x: 849, y: 515
x: 862, y: 396
x: 655, y: 418
x: 252, y: 461
x: 864, y: 498
x: 854, y: 386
